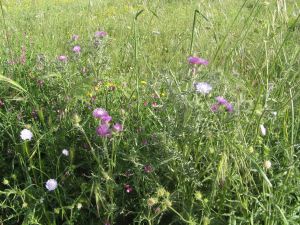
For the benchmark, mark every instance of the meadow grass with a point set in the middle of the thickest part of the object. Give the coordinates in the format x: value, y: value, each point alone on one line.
x: 175, y: 161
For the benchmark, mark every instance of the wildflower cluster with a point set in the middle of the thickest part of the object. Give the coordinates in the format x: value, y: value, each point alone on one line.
x: 222, y: 102
x: 104, y: 129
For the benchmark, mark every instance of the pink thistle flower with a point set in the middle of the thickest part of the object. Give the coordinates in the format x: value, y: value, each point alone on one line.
x: 228, y: 107
x: 100, y: 34
x: 106, y: 119
x: 145, y: 103
x: 128, y: 188
x: 103, y: 130
x: 118, y: 127
x: 221, y: 100
x: 197, y: 61
x: 99, y: 113
x: 214, y: 107
x: 77, y: 49
x: 148, y: 169
x: 155, y: 105
x: 62, y: 58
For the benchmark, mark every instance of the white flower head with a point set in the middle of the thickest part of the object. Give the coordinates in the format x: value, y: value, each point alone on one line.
x: 79, y: 206
x: 263, y: 130
x: 267, y: 164
x: 65, y: 152
x: 51, y: 184
x: 203, y: 87
x: 26, y: 135
x: 274, y: 113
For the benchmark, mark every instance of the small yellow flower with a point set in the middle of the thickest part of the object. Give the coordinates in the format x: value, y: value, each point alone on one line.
x: 109, y: 84
x: 143, y: 82
x: 198, y: 195
x: 89, y: 94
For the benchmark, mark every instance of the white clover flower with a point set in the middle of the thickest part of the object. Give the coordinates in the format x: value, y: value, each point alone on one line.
x: 51, y: 184
x: 203, y: 87
x: 26, y: 135
x: 79, y: 206
x: 267, y: 164
x: 65, y: 152
x: 263, y: 130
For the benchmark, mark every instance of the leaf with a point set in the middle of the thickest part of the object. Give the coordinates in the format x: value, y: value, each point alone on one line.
x: 12, y: 83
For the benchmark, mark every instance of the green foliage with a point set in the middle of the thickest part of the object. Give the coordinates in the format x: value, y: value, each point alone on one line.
x: 176, y: 162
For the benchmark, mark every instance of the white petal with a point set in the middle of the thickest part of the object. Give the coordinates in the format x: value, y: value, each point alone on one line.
x: 263, y: 130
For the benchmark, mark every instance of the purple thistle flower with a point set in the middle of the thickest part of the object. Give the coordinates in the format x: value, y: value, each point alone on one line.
x: 228, y: 107
x: 99, y: 113
x: 118, y: 127
x: 197, y: 61
x: 106, y: 119
x: 100, y: 34
x: 221, y: 100
x: 75, y: 37
x: 148, y: 169
x: 62, y: 58
x: 214, y: 107
x: 77, y: 49
x: 128, y: 188
x: 103, y: 130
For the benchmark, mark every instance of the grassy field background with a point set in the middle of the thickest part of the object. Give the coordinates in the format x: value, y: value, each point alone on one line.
x: 175, y: 161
